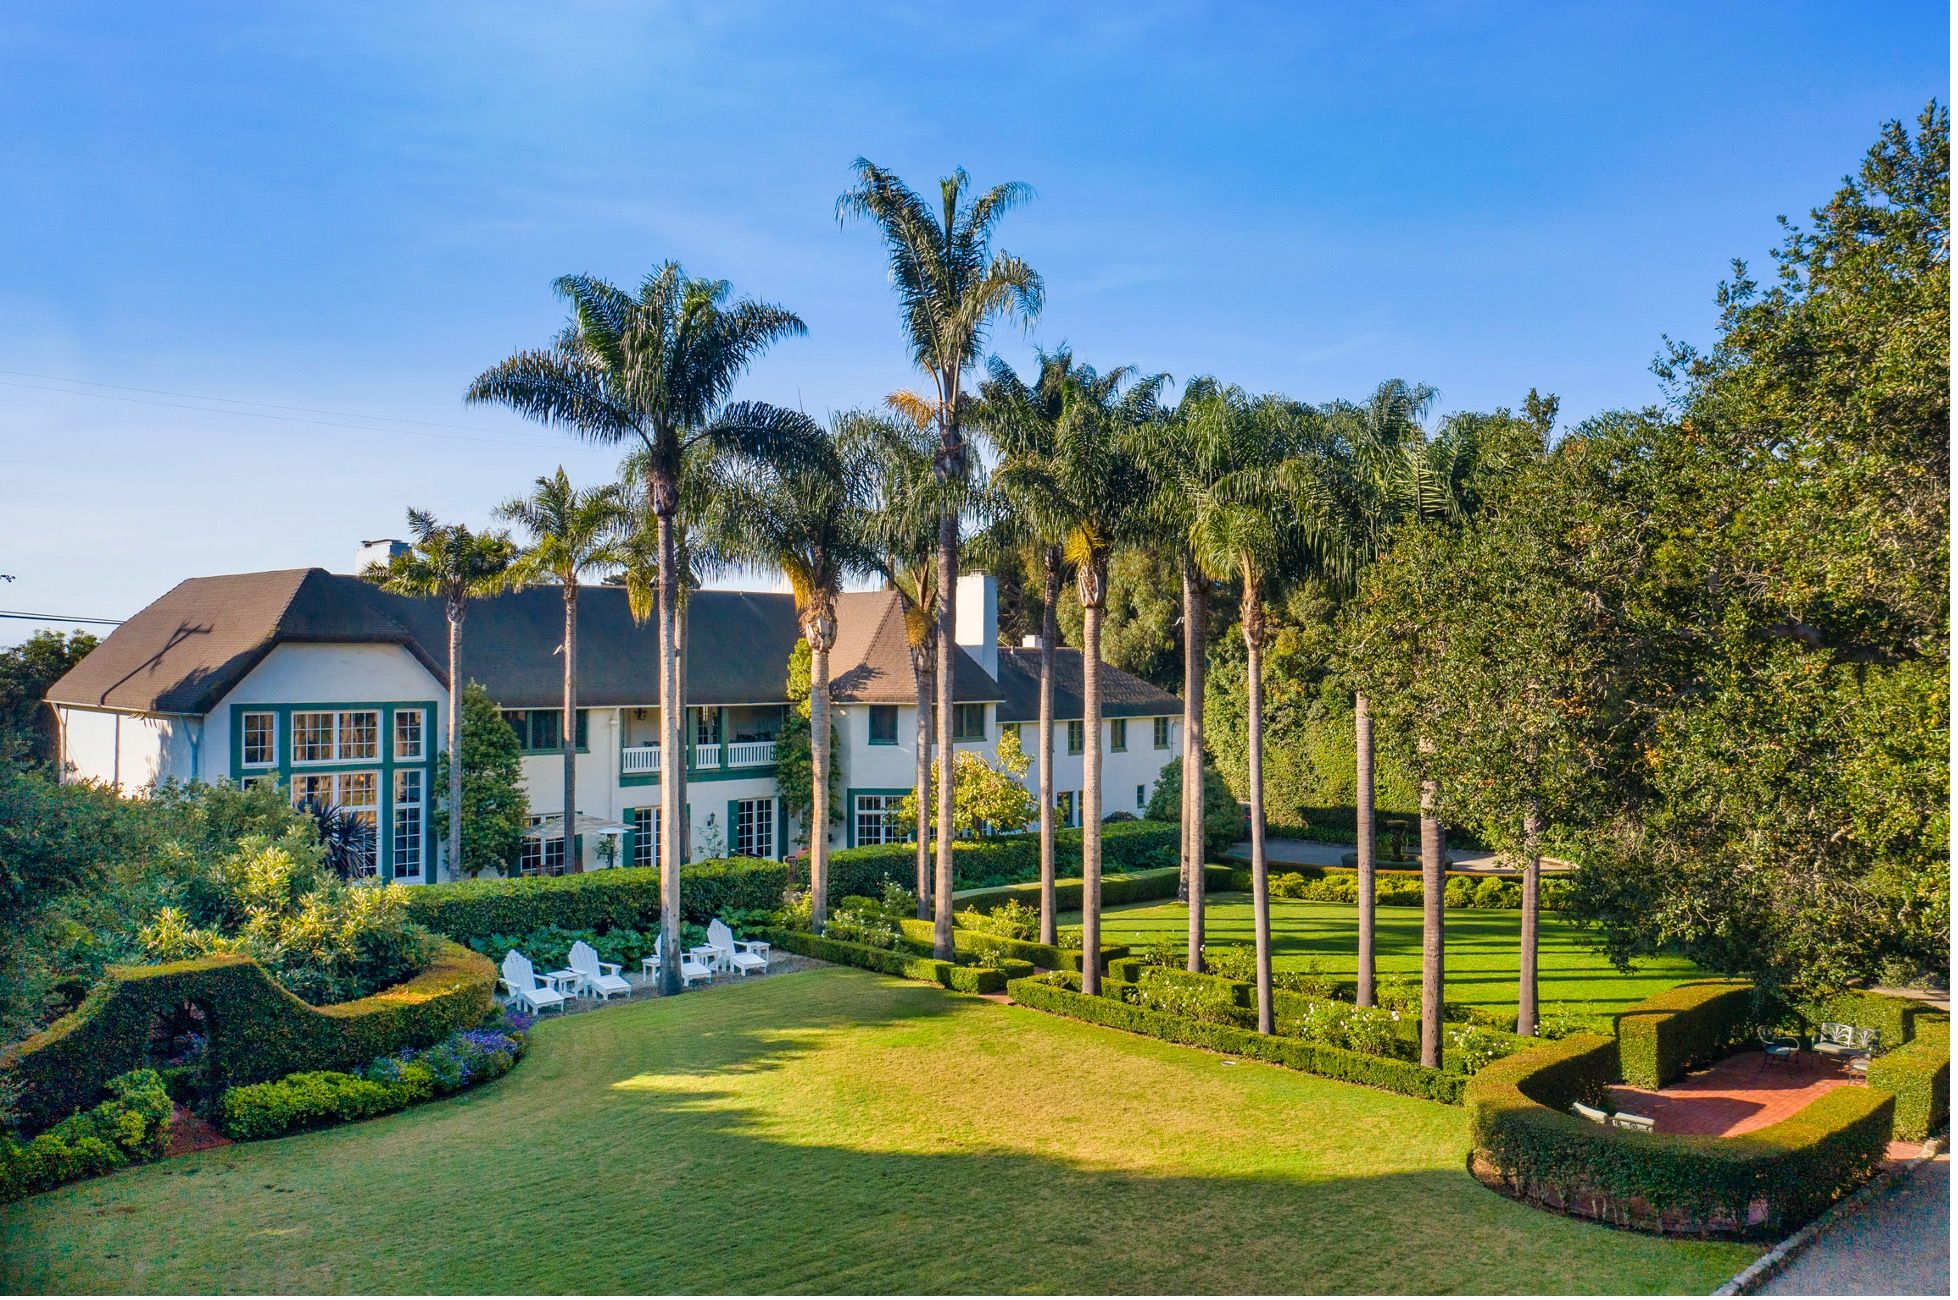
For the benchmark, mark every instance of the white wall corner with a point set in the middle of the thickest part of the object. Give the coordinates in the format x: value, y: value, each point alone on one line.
x: 976, y: 628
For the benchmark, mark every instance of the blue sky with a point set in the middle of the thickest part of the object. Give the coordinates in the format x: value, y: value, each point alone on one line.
x: 331, y: 217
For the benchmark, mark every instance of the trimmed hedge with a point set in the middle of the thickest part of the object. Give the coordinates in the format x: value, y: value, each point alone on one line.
x: 1293, y: 1053
x: 1918, y: 1074
x: 131, y: 1127
x: 1894, y: 1019
x: 1760, y: 1184
x: 313, y: 1098
x: 1395, y: 887
x: 962, y: 979
x: 1125, y: 847
x: 1692, y: 1024
x: 258, y: 1030
x: 597, y: 900
x: 965, y: 942
x: 1116, y: 887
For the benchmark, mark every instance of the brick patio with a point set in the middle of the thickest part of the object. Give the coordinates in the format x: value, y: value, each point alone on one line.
x: 1741, y: 1094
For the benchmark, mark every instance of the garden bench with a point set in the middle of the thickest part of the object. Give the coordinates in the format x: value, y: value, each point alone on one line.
x: 1618, y: 1119
x: 1840, y: 1040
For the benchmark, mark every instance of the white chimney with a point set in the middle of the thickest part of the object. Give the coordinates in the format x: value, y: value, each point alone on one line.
x: 976, y: 628
x: 378, y: 551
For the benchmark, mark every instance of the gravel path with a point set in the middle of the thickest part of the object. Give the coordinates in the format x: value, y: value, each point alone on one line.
x: 1897, y: 1244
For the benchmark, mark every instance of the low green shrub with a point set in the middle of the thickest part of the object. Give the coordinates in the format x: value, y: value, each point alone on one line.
x: 618, y: 898
x: 1116, y: 887
x: 1761, y: 1184
x: 1180, y: 993
x: 962, y: 979
x: 1357, y: 1029
x: 131, y: 1127
x: 1006, y: 859
x: 1692, y: 1024
x: 965, y: 943
x: 1918, y: 1074
x: 1235, y: 961
x: 258, y: 1030
x: 313, y: 1098
x: 866, y: 924
x: 1012, y: 919
x: 1894, y: 1019
x: 1293, y: 1053
x: 1398, y: 888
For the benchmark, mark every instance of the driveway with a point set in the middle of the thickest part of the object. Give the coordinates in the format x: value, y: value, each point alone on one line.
x: 1898, y: 1243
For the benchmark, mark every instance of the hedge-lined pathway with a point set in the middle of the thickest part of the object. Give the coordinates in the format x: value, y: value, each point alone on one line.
x: 1741, y: 1094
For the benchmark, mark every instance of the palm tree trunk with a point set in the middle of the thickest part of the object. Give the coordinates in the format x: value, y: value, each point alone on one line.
x: 921, y: 794
x: 948, y: 578
x: 1050, y: 634
x: 677, y: 773
x: 1091, y: 790
x: 1255, y: 776
x: 818, y: 781
x: 1193, y: 682
x: 570, y: 737
x: 1526, y: 1014
x: 672, y: 754
x: 1433, y: 888
x: 1363, y: 839
x: 455, y: 739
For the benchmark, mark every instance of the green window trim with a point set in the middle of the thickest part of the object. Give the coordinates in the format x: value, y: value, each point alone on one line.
x: 1118, y: 735
x: 1077, y: 735
x: 850, y: 809
x: 532, y: 726
x: 968, y: 722
x: 880, y: 713
x: 1162, y: 733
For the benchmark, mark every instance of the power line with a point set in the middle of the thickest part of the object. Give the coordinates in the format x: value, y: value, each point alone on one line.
x: 517, y: 440
x: 57, y: 618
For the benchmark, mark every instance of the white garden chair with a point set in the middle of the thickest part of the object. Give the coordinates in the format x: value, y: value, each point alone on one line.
x: 526, y: 988
x: 595, y: 976
x: 744, y: 955
x: 691, y: 971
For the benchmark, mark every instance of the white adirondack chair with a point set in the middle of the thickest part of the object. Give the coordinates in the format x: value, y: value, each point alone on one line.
x: 691, y: 971
x: 600, y: 977
x: 744, y: 955
x: 525, y: 988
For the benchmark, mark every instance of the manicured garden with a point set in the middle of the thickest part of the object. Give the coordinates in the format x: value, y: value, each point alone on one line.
x: 842, y: 1131
x: 1482, y: 949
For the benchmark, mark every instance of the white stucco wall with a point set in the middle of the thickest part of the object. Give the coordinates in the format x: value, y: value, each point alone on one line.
x: 326, y: 675
x: 130, y: 751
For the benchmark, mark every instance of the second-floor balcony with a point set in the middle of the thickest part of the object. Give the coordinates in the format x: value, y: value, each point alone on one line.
x: 644, y: 760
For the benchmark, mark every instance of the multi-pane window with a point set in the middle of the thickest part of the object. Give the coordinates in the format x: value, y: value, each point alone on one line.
x: 541, y: 731
x: 877, y: 821
x: 883, y: 724
x: 541, y: 857
x: 1077, y: 734
x: 358, y: 793
x: 409, y: 735
x: 261, y: 739
x: 409, y: 819
x: 754, y: 828
x: 1064, y: 806
x: 1141, y: 798
x: 968, y: 722
x: 645, y: 837
x: 706, y: 726
x: 343, y: 737
x: 1162, y: 733
x: 1118, y: 734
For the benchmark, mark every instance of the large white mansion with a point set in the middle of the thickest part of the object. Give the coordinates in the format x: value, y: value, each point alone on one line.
x: 339, y: 690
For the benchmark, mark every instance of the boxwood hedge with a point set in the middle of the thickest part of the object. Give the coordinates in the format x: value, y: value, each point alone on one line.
x: 1692, y: 1024
x: 1116, y: 887
x: 1043, y: 955
x: 1919, y: 1075
x: 1125, y: 847
x: 597, y: 900
x: 1760, y: 1184
x: 963, y: 979
x: 1294, y: 1053
x: 257, y: 1030
x: 1894, y: 1019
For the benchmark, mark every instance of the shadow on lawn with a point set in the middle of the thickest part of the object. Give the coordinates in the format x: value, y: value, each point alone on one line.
x: 636, y: 1151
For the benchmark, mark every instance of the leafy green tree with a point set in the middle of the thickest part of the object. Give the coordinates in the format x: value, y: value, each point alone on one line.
x: 1223, y: 819
x: 991, y: 798
x: 657, y: 369
x: 1085, y: 487
x: 572, y: 534
x: 493, y: 809
x: 951, y: 287
x: 455, y: 564
x: 26, y: 672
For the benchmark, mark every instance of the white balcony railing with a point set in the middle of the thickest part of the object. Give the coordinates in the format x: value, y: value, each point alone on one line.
x: 707, y: 755
x: 637, y: 760
x: 751, y: 753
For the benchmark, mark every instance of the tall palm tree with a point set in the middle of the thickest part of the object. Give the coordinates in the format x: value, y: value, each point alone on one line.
x: 1389, y: 482
x: 1271, y: 514
x: 1086, y: 488
x: 572, y: 533
x: 1023, y: 420
x: 656, y: 368
x: 455, y: 564
x: 807, y: 512
x: 904, y: 533
x: 951, y: 287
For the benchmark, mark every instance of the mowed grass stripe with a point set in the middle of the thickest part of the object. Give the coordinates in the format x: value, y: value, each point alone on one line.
x: 841, y: 1131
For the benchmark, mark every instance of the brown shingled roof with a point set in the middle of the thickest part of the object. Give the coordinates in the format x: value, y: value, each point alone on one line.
x: 872, y: 660
x: 1123, y: 695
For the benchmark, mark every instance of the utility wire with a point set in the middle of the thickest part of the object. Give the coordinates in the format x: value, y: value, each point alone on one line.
x: 56, y: 618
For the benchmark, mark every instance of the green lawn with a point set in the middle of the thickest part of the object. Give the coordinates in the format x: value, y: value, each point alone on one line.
x: 1481, y: 964
x: 840, y: 1131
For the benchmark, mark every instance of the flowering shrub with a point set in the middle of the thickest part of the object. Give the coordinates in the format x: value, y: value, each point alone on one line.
x: 1070, y: 938
x: 388, y: 1083
x: 1162, y: 955
x: 1357, y: 1029
x: 1181, y: 994
x: 898, y: 900
x: 1475, y: 1046
x: 1311, y: 982
x: 1232, y: 962
x: 872, y: 929
x: 1012, y: 919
